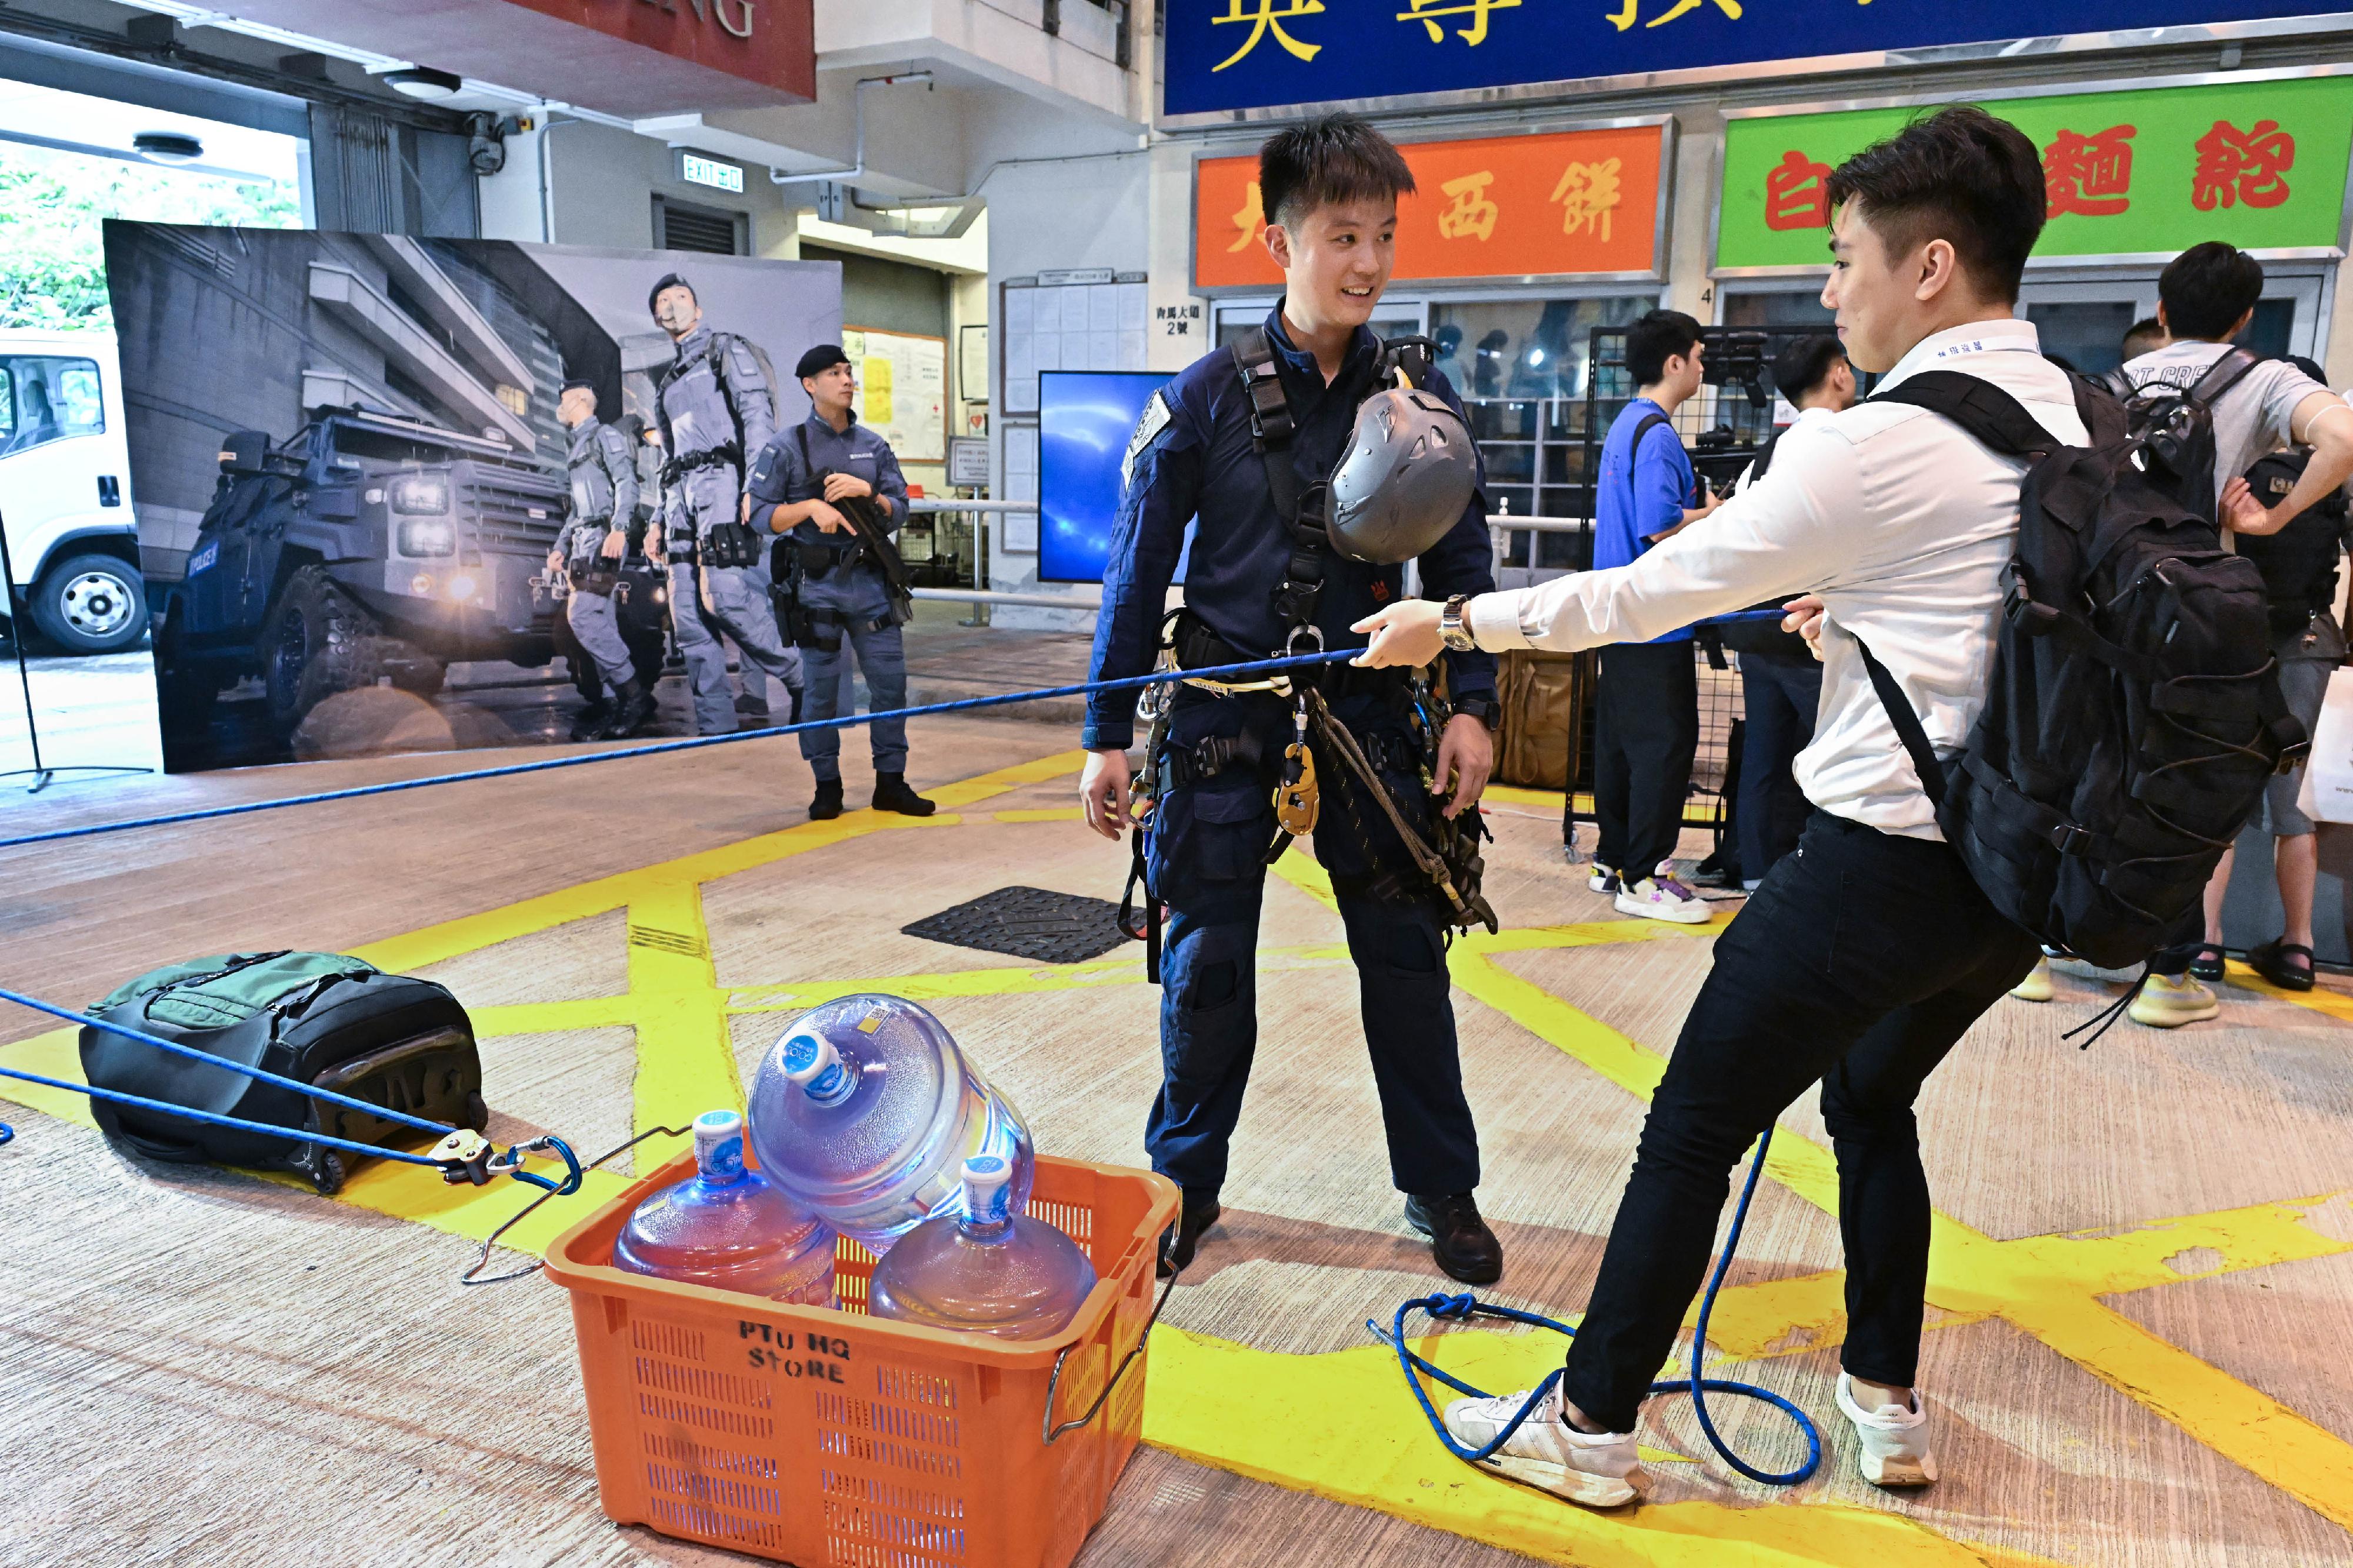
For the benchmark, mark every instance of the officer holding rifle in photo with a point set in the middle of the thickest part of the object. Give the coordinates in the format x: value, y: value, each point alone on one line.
x: 833, y: 487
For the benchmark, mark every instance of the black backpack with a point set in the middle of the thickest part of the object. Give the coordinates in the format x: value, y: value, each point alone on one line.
x: 2134, y: 710
x: 323, y: 1017
x: 2176, y: 427
x: 2299, y: 563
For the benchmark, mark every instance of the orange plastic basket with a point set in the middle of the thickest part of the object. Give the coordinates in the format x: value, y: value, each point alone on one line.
x: 832, y: 1440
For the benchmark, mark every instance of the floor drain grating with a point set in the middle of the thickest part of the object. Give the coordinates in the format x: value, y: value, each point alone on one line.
x: 1027, y: 922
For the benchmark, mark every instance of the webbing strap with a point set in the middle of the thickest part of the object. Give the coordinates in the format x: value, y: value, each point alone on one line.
x: 1909, y: 728
x: 1272, y: 427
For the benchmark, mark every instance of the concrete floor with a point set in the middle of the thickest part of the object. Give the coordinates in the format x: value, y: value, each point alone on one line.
x: 94, y: 711
x: 2141, y: 1304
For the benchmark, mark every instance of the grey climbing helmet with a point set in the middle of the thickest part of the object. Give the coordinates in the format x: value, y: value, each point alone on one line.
x: 1404, y: 480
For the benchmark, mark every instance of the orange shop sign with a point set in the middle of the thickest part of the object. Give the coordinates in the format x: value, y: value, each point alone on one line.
x: 1500, y: 206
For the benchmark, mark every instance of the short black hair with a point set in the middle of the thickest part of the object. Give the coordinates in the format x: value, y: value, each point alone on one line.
x: 669, y: 280
x: 1655, y: 339
x: 2207, y: 288
x: 1334, y: 159
x: 1804, y: 364
x: 2147, y: 330
x: 1960, y: 175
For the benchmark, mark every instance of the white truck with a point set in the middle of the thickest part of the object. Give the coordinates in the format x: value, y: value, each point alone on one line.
x: 65, y: 492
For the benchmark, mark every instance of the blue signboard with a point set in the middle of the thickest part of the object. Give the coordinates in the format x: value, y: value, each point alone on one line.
x: 1084, y: 420
x: 1225, y: 55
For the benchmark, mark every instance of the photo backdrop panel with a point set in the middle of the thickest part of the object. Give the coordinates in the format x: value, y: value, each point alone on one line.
x: 350, y: 472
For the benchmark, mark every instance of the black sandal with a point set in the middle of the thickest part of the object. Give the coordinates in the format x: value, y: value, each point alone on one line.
x: 2271, y: 962
x: 2207, y: 963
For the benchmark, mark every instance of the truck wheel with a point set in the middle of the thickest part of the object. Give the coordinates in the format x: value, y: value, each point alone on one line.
x: 310, y: 646
x: 90, y: 604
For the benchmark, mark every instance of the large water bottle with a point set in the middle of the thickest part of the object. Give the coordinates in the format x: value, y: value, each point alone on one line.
x: 727, y: 1227
x: 985, y: 1271
x: 866, y: 1111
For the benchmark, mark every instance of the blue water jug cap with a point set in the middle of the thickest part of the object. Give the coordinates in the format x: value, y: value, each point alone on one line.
x: 988, y: 1191
x: 812, y: 1062
x: 719, y: 1145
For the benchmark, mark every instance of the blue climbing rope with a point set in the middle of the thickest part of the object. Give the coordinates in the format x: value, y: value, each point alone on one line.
x: 383, y: 1112
x: 659, y: 748
x: 1463, y: 1307
x: 290, y: 1134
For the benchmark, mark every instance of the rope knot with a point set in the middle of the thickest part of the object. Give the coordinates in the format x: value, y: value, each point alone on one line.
x: 1459, y: 1306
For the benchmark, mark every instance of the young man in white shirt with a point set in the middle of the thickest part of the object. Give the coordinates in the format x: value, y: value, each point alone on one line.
x: 1865, y: 955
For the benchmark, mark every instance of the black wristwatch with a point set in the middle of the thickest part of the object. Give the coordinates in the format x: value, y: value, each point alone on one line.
x: 1486, y: 709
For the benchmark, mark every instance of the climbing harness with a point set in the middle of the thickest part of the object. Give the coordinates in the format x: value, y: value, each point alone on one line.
x: 1464, y: 1306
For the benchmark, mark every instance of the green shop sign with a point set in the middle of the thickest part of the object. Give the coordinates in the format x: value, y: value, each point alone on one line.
x: 2259, y: 163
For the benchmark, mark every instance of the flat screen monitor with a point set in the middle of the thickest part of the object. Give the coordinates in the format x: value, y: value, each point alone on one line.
x: 1084, y: 420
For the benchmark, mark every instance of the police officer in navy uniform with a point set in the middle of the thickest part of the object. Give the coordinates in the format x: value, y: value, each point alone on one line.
x: 844, y: 601
x: 1330, y: 190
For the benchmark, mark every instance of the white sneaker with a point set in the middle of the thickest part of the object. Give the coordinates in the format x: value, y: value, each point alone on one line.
x: 1599, y: 1471
x: 1603, y: 879
x: 2036, y: 986
x: 2169, y: 1002
x: 1893, y: 1441
x: 1662, y: 899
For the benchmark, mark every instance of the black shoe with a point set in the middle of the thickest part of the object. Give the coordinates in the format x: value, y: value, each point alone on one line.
x: 754, y: 706
x: 2207, y: 964
x: 891, y: 794
x: 632, y: 706
x: 1200, y: 1211
x: 827, y: 804
x: 1458, y: 1238
x: 590, y: 723
x: 2271, y: 962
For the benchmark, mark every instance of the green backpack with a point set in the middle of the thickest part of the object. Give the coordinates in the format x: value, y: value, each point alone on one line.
x: 326, y: 1018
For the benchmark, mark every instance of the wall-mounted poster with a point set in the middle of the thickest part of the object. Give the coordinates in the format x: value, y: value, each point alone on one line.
x: 903, y: 382
x: 351, y: 457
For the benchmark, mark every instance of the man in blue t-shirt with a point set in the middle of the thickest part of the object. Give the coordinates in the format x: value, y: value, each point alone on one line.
x: 1646, y: 714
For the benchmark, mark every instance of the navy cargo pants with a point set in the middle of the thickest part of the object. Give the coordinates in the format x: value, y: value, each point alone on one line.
x: 1207, y: 861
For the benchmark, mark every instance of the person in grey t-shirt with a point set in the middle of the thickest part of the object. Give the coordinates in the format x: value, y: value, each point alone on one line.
x: 2206, y: 298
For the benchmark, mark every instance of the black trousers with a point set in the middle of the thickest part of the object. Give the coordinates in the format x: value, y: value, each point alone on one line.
x: 1779, y: 697
x: 1861, y: 962
x: 1645, y: 731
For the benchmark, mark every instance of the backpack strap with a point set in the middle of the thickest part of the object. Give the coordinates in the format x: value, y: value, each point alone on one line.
x: 1764, y: 458
x: 1997, y: 419
x: 800, y: 439
x: 2222, y: 375
x: 1906, y: 720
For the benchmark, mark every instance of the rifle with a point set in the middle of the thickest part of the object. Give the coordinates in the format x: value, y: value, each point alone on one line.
x: 867, y: 520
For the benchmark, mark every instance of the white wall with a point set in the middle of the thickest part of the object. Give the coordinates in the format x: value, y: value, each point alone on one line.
x: 1044, y: 217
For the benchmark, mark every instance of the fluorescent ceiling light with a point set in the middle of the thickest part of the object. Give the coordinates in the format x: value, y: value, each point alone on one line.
x: 423, y: 81
x: 167, y: 146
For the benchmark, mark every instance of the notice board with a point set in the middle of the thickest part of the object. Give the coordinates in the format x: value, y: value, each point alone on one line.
x: 903, y: 379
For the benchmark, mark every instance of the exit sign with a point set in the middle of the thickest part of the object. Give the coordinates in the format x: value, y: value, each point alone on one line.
x: 697, y: 170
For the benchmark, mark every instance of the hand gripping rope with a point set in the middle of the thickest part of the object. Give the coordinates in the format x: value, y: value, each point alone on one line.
x: 461, y: 1156
x: 1463, y: 1307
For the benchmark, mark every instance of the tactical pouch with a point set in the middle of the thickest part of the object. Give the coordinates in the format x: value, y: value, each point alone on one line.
x: 731, y: 544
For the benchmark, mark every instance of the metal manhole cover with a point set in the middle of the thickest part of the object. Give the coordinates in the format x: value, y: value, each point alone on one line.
x: 1027, y: 922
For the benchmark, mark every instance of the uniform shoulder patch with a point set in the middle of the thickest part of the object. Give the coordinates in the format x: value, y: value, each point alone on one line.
x: 1148, y: 426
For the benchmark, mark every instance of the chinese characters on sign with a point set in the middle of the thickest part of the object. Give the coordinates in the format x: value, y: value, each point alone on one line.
x: 1560, y: 203
x: 1473, y: 215
x: 1177, y: 320
x: 1794, y: 194
x: 1251, y: 220
x: 2090, y: 175
x: 2235, y: 165
x: 1624, y: 18
x: 1426, y: 11
x: 1588, y: 193
x: 2132, y: 172
x: 1267, y: 20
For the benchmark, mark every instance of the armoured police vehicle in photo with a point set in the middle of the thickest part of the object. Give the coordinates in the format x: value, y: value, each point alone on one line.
x: 364, y: 548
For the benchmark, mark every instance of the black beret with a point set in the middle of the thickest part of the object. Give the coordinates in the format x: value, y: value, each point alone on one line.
x: 578, y: 384
x: 669, y: 280
x: 823, y: 357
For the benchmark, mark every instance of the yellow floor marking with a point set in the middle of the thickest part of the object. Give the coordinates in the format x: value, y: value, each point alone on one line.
x: 2320, y: 998
x: 1382, y: 1455
x: 1046, y: 813
x: 2047, y: 1286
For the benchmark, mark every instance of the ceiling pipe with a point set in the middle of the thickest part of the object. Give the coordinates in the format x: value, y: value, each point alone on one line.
x: 857, y: 169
